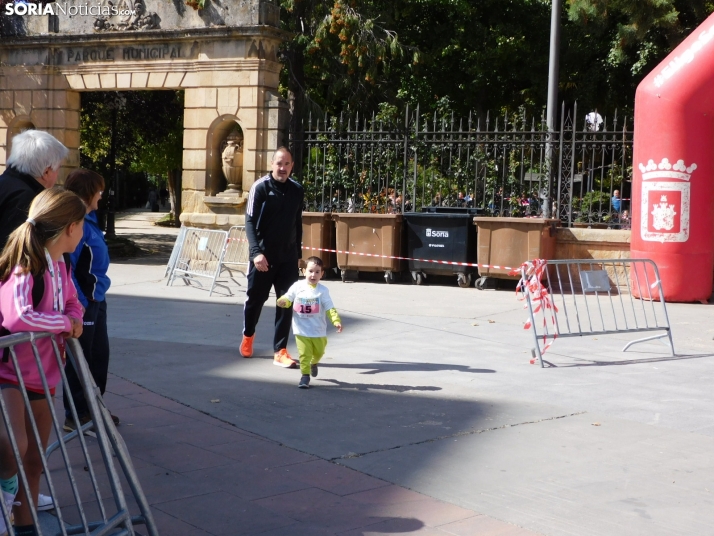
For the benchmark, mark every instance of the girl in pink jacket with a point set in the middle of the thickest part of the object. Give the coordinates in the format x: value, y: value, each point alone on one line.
x: 35, y: 251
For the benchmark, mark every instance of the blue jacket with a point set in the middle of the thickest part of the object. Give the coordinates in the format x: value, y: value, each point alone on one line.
x: 90, y: 262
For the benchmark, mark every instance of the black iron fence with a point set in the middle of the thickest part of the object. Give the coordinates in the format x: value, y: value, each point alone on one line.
x: 502, y: 166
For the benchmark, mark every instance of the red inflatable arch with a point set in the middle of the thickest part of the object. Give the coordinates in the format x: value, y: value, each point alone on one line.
x: 673, y: 183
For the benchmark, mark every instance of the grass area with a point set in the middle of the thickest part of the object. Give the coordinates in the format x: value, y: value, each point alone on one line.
x: 165, y: 221
x: 122, y: 247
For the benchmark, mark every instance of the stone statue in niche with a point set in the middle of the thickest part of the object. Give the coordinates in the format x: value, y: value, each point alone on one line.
x: 132, y: 16
x: 233, y: 166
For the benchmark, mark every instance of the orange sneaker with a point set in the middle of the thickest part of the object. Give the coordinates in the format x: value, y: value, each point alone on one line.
x: 246, y: 346
x: 283, y: 359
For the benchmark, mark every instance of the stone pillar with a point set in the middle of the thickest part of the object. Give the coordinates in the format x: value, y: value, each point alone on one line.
x: 35, y: 97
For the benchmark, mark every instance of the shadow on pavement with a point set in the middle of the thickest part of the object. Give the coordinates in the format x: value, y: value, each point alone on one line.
x: 379, y: 367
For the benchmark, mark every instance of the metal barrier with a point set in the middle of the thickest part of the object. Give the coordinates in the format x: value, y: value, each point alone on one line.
x: 175, y: 251
x: 237, y: 252
x: 85, y: 482
x: 594, y: 297
x: 200, y: 254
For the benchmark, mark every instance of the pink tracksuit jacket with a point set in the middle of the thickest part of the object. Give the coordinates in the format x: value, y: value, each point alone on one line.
x: 17, y: 314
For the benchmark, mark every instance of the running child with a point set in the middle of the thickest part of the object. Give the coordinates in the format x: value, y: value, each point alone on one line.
x: 310, y: 302
x: 35, y: 251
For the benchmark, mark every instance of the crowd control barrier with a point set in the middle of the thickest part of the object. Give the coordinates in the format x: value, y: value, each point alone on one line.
x: 582, y: 298
x: 200, y: 255
x: 175, y: 251
x: 237, y: 253
x: 84, y: 482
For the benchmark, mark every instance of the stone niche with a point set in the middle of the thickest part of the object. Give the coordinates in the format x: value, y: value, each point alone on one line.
x: 224, y: 57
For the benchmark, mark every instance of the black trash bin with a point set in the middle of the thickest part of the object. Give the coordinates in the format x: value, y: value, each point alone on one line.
x: 441, y: 236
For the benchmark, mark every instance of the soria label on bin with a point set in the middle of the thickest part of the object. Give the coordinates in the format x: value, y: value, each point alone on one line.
x: 666, y: 204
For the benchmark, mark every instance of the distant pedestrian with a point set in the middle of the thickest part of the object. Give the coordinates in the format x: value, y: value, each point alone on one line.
x: 616, y: 201
x: 90, y: 263
x: 311, y: 303
x: 153, y: 202
x: 33, y: 260
x: 33, y: 165
x: 273, y: 226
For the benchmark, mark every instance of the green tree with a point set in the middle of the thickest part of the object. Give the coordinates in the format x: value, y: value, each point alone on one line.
x: 147, y: 135
x: 612, y: 44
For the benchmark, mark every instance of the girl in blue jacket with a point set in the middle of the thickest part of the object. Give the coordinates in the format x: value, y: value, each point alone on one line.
x: 90, y: 262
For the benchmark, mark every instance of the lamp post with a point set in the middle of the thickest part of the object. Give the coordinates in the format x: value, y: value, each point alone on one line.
x: 553, y: 74
x: 115, y: 104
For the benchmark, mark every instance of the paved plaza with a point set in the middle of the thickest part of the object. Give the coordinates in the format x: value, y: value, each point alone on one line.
x: 426, y: 417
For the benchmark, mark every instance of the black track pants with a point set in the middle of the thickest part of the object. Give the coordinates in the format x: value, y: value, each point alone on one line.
x: 281, y: 276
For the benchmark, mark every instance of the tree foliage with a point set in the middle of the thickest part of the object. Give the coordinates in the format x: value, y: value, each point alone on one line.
x: 462, y: 55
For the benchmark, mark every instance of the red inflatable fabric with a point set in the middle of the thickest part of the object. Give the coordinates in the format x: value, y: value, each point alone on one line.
x: 673, y: 175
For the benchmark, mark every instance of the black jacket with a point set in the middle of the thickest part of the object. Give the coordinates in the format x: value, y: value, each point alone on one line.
x: 17, y: 190
x: 273, y: 219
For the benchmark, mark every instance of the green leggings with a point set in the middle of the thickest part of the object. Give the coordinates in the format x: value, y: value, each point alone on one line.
x: 311, y: 350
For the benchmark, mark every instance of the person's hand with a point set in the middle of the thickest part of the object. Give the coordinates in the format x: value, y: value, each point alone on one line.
x: 77, y: 327
x: 339, y: 327
x: 261, y: 263
x: 282, y: 302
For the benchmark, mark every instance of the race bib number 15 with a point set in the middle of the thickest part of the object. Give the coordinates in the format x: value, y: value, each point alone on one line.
x: 307, y: 307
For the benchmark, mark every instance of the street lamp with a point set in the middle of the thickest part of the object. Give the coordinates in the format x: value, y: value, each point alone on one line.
x: 553, y: 74
x: 114, y: 104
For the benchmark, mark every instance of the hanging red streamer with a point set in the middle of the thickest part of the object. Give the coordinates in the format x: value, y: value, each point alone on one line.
x: 531, y: 284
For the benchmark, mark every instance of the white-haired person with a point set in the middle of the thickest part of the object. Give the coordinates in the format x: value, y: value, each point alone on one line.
x: 32, y: 167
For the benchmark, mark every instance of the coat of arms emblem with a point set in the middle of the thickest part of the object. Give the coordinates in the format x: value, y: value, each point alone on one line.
x: 663, y: 215
x: 666, y: 200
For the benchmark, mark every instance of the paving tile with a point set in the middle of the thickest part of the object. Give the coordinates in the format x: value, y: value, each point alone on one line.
x: 430, y: 511
x: 224, y: 514
x: 322, y: 508
x: 152, y: 399
x: 161, y: 486
x: 150, y: 417
x: 200, y: 416
x: 396, y: 525
x: 488, y: 526
x: 200, y: 434
x: 118, y: 402
x: 263, y: 453
x: 181, y: 457
x: 299, y: 529
x: 120, y: 386
x: 249, y: 481
x: 390, y: 494
x: 331, y: 477
x: 170, y: 526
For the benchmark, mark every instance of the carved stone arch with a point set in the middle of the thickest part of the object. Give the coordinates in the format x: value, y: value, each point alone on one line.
x: 216, y: 136
x: 19, y: 124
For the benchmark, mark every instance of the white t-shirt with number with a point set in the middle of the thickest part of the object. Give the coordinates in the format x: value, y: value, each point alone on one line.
x: 310, y: 306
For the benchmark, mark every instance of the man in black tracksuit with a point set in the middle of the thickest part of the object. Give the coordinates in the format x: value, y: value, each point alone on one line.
x: 273, y: 226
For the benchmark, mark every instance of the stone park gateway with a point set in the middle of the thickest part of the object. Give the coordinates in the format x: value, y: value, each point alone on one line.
x: 223, y: 56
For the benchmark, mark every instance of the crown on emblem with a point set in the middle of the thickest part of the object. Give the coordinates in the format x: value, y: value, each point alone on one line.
x: 666, y: 170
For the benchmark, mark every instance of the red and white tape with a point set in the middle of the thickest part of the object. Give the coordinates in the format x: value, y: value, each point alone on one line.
x: 532, y: 283
x: 451, y: 263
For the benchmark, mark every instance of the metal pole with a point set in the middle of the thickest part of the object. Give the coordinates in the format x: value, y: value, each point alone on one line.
x: 111, y: 199
x: 553, y: 75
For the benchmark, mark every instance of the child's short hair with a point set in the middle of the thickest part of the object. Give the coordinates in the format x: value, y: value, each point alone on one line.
x: 315, y: 260
x: 85, y: 183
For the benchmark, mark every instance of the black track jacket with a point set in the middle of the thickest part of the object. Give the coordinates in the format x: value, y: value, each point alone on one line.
x: 273, y: 219
x: 17, y: 190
